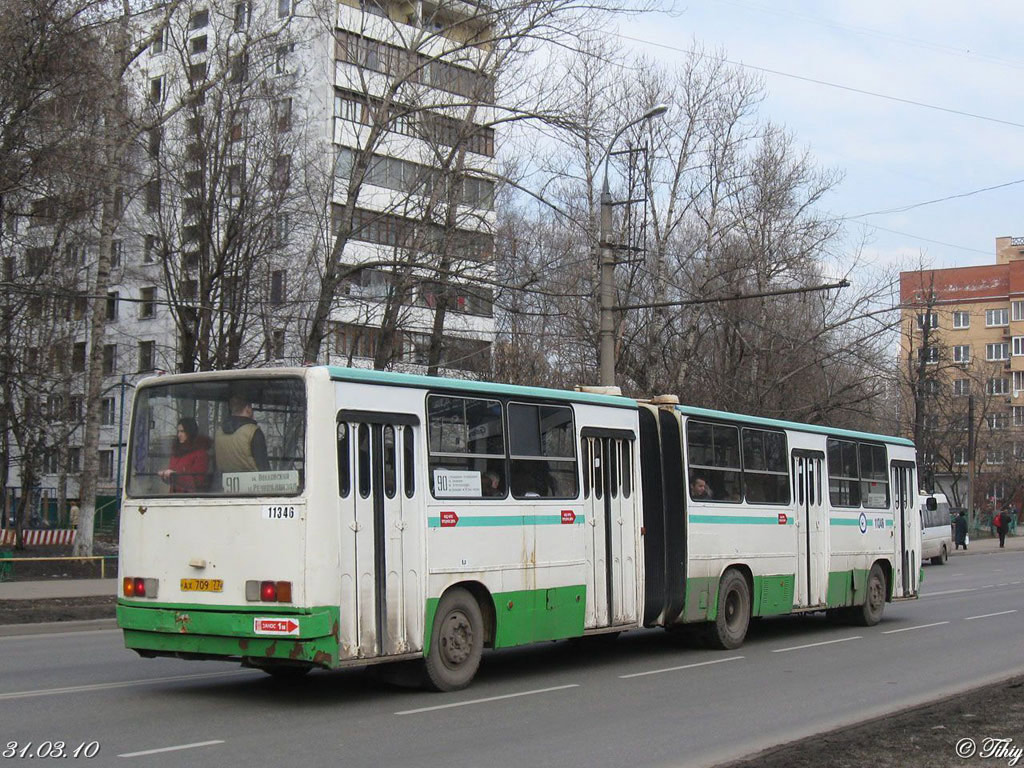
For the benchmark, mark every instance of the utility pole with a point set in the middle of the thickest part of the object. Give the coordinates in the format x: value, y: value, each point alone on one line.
x: 606, y: 293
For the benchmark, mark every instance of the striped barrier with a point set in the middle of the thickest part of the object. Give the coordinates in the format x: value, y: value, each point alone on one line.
x: 39, y: 537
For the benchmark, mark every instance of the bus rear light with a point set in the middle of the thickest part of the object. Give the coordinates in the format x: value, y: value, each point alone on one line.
x: 139, y: 587
x: 268, y: 591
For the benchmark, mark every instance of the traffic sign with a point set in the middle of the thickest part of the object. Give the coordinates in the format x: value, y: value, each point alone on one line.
x: 269, y: 626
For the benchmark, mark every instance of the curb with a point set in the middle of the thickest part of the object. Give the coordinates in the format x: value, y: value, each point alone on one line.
x: 56, y: 627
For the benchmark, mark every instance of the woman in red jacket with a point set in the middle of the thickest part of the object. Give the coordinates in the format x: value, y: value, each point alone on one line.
x: 189, y: 470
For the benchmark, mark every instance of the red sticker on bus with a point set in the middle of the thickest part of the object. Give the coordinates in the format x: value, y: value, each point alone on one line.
x: 449, y: 519
x: 782, y: 518
x: 568, y: 517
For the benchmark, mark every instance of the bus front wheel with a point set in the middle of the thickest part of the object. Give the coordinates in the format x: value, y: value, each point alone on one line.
x: 730, y: 625
x: 456, y: 642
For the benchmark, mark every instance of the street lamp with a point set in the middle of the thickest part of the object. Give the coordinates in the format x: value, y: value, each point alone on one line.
x: 607, y: 287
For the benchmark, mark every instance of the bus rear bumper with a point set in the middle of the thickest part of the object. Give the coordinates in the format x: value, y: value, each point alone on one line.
x: 309, y: 637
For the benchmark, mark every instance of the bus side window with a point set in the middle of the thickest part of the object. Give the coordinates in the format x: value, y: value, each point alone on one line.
x: 344, y: 461
x: 627, y: 468
x: 409, y: 462
x: 585, y: 464
x: 390, y: 463
x: 363, y: 458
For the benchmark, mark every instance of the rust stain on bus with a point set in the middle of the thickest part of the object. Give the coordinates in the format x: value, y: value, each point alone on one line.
x: 182, y: 620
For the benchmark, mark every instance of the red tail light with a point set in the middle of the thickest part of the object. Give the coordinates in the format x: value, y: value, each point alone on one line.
x: 268, y: 591
x: 140, y: 587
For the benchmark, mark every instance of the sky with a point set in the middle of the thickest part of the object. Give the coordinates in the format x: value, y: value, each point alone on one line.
x: 949, y: 58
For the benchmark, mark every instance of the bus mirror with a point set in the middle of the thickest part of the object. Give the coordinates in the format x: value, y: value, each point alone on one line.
x: 931, y: 503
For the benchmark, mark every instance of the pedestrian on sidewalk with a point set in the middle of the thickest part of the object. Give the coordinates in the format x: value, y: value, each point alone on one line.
x: 1002, y: 523
x: 960, y: 530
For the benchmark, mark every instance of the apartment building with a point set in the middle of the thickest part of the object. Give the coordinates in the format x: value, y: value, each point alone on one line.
x: 962, y: 375
x: 273, y: 124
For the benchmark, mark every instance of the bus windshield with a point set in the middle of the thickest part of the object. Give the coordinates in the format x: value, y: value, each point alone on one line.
x: 243, y: 437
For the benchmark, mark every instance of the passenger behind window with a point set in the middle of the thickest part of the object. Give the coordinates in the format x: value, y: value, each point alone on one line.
x: 491, y: 484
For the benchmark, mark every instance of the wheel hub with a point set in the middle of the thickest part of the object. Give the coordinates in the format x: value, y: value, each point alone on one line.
x: 457, y: 639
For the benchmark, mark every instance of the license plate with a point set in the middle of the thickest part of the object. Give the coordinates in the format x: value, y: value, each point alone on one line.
x: 202, y: 585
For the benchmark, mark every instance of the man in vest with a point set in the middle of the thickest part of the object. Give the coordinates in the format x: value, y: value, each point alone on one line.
x: 239, y: 443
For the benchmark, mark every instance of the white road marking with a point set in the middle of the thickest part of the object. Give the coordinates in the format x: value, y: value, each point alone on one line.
x: 919, y: 626
x: 482, y: 701
x: 68, y: 634
x: 987, y: 615
x: 172, y: 749
x: 948, y: 592
x: 815, y: 645
x: 109, y: 686
x: 684, y: 666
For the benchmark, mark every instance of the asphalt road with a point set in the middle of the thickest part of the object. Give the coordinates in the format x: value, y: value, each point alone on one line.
x: 644, y: 700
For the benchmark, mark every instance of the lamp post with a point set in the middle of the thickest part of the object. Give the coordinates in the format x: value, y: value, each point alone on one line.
x: 606, y: 349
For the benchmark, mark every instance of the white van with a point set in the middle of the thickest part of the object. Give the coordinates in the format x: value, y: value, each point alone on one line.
x: 936, y: 531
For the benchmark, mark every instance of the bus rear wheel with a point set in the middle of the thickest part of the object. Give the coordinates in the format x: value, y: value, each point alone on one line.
x: 942, y: 557
x: 729, y: 628
x: 456, y: 642
x: 870, y: 612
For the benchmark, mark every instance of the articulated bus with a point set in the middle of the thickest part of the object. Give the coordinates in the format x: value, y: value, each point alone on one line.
x: 392, y: 517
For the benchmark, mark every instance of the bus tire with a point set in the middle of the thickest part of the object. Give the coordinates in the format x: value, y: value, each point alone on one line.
x: 730, y: 625
x: 870, y: 612
x: 456, y: 642
x: 942, y: 557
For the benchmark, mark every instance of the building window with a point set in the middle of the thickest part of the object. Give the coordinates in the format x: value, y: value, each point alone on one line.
x: 998, y: 491
x: 235, y: 180
x: 1018, y: 345
x: 108, y: 411
x: 199, y: 44
x: 109, y: 359
x: 149, y: 251
x: 241, y: 16
x: 960, y: 455
x: 282, y: 172
x: 282, y: 59
x: 1018, y: 381
x: 282, y: 115
x: 147, y: 356
x: 998, y: 420
x: 199, y: 19
x: 1018, y: 415
x: 153, y: 196
x: 197, y: 73
x: 282, y: 229
x: 1017, y: 308
x: 930, y: 387
x: 153, y: 143
x: 962, y: 319
x: 76, y: 406
x: 78, y: 357
x: 106, y: 465
x: 75, y: 459
x: 156, y: 90
x: 277, y: 344
x: 277, y: 287
x: 997, y: 351
x: 284, y: 9
x: 112, y: 305
x: 930, y: 354
x: 929, y: 319
x: 996, y: 317
x: 998, y: 386
x: 961, y: 387
x: 147, y: 303
x: 995, y: 456
x: 962, y: 353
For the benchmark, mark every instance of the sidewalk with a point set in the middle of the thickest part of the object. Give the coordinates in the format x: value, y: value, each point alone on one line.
x: 988, y: 546
x: 40, y: 590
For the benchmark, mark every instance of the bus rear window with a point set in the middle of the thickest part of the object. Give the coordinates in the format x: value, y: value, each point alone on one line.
x: 244, y: 437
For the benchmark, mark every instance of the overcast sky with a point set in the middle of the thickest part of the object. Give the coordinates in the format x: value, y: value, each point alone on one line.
x: 956, y: 56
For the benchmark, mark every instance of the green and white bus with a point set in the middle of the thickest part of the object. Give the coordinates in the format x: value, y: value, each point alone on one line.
x: 392, y: 517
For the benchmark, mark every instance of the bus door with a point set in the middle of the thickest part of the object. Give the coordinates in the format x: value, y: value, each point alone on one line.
x: 608, y: 491
x: 811, y: 529
x: 380, y: 534
x: 906, y: 528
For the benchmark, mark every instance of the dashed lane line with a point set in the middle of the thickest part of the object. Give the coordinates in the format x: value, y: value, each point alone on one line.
x: 815, y: 645
x: 173, y: 749
x: 487, y: 699
x: 918, y: 626
x: 684, y: 666
x: 989, y: 615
